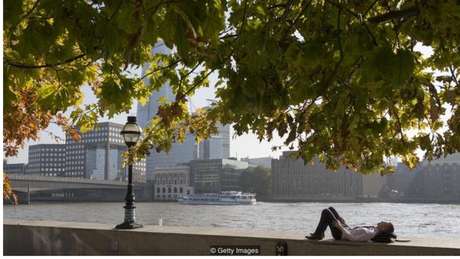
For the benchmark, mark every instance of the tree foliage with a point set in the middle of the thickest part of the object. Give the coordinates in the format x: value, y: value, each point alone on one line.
x: 8, y: 194
x: 338, y: 79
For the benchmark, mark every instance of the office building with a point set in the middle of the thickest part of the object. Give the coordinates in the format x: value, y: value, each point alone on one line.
x: 372, y: 185
x: 265, y: 162
x: 16, y: 168
x: 293, y: 180
x: 216, y: 175
x: 47, y: 160
x: 430, y: 181
x: 98, y: 155
x: 179, y: 152
x: 170, y: 183
x: 218, y: 146
x: 436, y: 181
x: 396, y: 185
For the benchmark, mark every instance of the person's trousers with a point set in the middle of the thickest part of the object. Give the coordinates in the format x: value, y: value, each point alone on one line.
x: 329, y: 217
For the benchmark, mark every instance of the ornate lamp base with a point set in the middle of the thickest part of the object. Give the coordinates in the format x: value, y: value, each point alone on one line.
x: 130, y: 218
x: 128, y: 225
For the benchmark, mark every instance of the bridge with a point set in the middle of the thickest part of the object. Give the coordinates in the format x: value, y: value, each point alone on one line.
x: 47, y: 188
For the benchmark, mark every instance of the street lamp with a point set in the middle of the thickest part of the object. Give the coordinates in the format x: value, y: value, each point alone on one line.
x: 131, y: 133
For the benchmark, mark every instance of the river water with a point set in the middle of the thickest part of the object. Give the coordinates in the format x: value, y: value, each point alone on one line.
x: 410, y: 220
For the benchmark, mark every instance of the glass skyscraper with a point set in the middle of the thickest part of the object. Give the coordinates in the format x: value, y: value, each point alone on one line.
x: 217, y: 146
x: 179, y: 152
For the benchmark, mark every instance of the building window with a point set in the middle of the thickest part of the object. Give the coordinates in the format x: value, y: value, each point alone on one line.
x: 180, y: 190
x: 169, y: 189
x: 164, y: 190
x: 158, y: 190
x: 175, y: 189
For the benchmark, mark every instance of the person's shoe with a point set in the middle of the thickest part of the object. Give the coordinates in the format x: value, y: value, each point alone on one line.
x: 314, y: 236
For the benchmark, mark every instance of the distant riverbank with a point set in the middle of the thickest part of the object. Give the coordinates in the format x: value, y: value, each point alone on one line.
x: 268, y: 200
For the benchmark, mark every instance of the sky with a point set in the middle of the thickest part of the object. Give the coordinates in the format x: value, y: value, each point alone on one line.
x: 243, y: 146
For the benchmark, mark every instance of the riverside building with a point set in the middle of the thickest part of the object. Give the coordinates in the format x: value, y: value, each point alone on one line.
x: 14, y: 168
x: 216, y: 175
x: 216, y: 146
x: 265, y: 162
x: 47, y: 160
x: 293, y: 180
x: 171, y: 183
x: 98, y: 155
x: 430, y: 181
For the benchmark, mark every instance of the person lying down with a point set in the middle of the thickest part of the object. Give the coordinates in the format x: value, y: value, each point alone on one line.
x: 383, y: 232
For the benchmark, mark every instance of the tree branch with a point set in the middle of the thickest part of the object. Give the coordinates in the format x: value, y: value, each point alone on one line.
x: 199, y: 82
x: 296, y: 19
x: 31, y: 66
x: 397, y: 14
x: 158, y: 69
x: 454, y: 77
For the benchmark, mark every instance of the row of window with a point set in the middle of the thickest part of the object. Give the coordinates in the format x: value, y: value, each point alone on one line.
x: 74, y: 162
x: 74, y: 174
x: 52, y: 160
x: 75, y: 151
x: 159, y: 197
x: 44, y: 165
x: 95, y: 134
x: 74, y: 168
x: 174, y: 190
x: 74, y: 146
x: 170, y: 181
x: 37, y: 155
x: 46, y: 169
x: 44, y: 149
x: 50, y: 174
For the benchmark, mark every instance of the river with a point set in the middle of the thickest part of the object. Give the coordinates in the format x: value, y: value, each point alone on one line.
x: 410, y: 220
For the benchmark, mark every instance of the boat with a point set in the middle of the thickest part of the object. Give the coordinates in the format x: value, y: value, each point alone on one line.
x: 222, y: 198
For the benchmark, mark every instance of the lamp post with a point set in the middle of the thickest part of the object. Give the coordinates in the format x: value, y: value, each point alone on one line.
x: 131, y: 133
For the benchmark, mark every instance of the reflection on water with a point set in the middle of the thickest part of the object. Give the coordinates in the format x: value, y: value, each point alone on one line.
x: 409, y: 219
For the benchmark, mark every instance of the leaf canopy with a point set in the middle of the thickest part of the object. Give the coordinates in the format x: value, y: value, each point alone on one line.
x: 341, y: 80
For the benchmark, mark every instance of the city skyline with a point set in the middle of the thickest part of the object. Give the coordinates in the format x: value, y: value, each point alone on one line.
x: 246, y: 145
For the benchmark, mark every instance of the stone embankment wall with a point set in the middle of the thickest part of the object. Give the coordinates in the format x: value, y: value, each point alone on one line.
x: 71, y: 238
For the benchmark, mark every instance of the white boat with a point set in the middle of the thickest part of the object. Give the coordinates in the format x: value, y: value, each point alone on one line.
x: 223, y: 198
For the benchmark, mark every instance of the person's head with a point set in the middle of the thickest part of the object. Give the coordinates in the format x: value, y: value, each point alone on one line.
x: 385, y: 227
x: 385, y: 232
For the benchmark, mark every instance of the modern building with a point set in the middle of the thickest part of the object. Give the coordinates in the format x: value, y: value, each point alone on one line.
x: 372, y: 185
x: 293, y: 180
x: 218, y: 146
x: 179, y: 152
x: 449, y: 159
x: 396, y: 185
x: 216, y: 175
x: 430, y: 181
x: 170, y: 183
x: 98, y: 155
x: 16, y: 168
x: 435, y: 183
x: 47, y: 160
x: 265, y: 162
